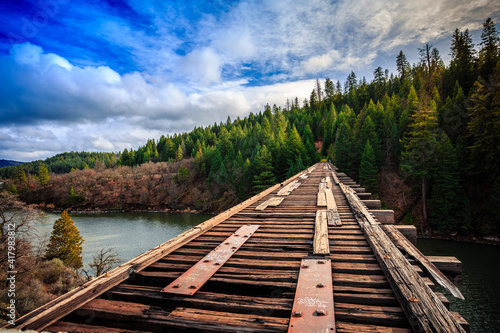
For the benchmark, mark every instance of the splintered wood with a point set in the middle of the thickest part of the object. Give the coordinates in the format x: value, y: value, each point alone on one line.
x: 321, y: 198
x: 326, y: 198
x: 320, y: 243
x: 273, y: 202
x: 288, y: 189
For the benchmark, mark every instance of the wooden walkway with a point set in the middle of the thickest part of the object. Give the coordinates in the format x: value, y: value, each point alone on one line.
x: 256, y: 289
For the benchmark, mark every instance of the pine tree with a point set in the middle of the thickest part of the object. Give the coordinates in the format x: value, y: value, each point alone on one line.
x: 179, y: 154
x: 263, y: 170
x: 448, y: 204
x: 403, y: 66
x: 368, y: 175
x: 490, y: 49
x: 43, y: 175
x: 294, y: 146
x: 419, y: 148
x: 343, y: 143
x: 20, y: 176
x: 65, y: 242
x: 484, y: 126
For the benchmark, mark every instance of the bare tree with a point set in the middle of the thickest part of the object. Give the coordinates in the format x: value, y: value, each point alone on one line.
x: 102, y: 262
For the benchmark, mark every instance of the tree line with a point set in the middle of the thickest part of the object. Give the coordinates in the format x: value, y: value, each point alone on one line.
x: 425, y: 139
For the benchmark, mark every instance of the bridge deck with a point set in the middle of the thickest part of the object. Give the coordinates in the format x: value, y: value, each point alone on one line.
x: 254, y: 291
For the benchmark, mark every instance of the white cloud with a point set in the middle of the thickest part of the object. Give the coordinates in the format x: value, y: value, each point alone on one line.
x: 96, y: 109
x: 202, y: 66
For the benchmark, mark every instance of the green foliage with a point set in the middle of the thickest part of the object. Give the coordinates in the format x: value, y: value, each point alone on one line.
x: 448, y: 205
x: 263, y: 170
x: 13, y: 189
x: 73, y: 198
x: 65, y: 242
x: 343, y: 144
x: 20, y: 176
x: 484, y: 126
x: 368, y: 173
x: 420, y: 143
x: 43, y: 175
x: 182, y: 174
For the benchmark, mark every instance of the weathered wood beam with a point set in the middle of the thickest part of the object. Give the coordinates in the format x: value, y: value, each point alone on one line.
x: 372, y: 204
x: 424, y: 310
x: 320, y: 242
x: 437, y: 276
x: 384, y: 216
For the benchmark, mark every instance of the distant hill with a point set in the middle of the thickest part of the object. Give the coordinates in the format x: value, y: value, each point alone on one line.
x: 5, y: 163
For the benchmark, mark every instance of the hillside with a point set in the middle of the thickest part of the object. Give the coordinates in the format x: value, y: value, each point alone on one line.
x: 6, y: 163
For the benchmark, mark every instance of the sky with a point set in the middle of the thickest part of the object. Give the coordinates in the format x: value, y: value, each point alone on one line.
x: 93, y: 75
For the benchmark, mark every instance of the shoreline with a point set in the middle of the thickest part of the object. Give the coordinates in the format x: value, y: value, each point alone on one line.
x: 108, y: 211
x: 484, y: 240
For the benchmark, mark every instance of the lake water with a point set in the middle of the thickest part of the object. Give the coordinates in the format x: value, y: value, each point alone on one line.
x: 131, y: 234
x: 480, y: 287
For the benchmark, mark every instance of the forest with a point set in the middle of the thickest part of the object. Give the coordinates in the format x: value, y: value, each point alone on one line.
x: 425, y: 140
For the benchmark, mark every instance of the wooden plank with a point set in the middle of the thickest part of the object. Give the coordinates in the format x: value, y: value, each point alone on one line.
x: 437, y: 276
x: 333, y: 218
x: 65, y: 304
x: 273, y: 202
x: 313, y: 306
x: 286, y: 190
x: 424, y: 310
x: 447, y: 264
x: 195, y: 277
x: 321, y: 202
x: 320, y: 242
x: 330, y: 200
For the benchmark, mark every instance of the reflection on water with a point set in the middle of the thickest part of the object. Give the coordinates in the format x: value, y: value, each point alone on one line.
x: 130, y: 234
x: 480, y: 265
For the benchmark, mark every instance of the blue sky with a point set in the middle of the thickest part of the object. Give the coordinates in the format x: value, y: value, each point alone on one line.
x: 107, y: 75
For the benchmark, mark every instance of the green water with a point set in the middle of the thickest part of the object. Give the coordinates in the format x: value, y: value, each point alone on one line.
x: 130, y: 234
x: 480, y: 286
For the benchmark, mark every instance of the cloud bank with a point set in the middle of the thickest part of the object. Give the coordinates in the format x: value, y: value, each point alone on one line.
x: 55, y: 106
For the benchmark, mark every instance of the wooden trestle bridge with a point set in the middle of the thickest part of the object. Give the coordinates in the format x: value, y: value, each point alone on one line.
x: 312, y: 254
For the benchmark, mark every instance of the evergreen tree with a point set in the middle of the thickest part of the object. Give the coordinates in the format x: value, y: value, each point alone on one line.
x: 403, y: 66
x: 329, y: 90
x: 368, y: 133
x: 490, y: 49
x: 448, y: 204
x: 294, y: 146
x: 65, y: 242
x: 43, y: 175
x: 20, y: 176
x: 419, y: 148
x: 179, y: 154
x: 342, y: 149
x: 484, y: 126
x: 368, y: 173
x: 263, y: 170
x: 462, y: 63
